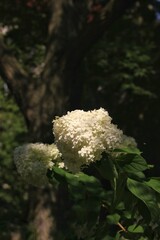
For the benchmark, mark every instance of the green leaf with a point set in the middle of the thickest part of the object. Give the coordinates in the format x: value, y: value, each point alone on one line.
x: 138, y: 164
x: 135, y: 229
x: 143, y: 211
x: 80, y: 184
x: 59, y: 174
x: 127, y: 214
x: 113, y: 218
x: 118, y: 236
x: 146, y: 195
x: 132, y: 163
x: 108, y: 171
x: 86, y: 194
x: 154, y: 183
x: 130, y: 150
x: 137, y: 175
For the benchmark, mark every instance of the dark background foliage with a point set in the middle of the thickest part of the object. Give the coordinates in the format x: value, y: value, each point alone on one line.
x: 120, y: 73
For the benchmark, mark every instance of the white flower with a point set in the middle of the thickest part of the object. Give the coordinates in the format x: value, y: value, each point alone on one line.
x: 128, y: 142
x: 33, y: 160
x: 83, y: 136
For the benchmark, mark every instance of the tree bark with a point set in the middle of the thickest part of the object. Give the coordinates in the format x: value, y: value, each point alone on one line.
x: 14, y: 76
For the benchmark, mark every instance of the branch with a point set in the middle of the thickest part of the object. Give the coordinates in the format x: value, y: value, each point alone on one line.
x: 13, y: 74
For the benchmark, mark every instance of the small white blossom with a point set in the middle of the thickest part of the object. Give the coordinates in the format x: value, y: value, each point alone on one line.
x: 33, y: 160
x: 83, y: 136
x: 128, y: 142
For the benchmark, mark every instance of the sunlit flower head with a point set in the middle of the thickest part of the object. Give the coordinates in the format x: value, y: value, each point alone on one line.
x: 33, y: 161
x: 83, y: 136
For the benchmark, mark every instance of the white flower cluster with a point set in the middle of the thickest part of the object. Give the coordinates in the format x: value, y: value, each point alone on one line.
x: 33, y: 160
x: 83, y: 136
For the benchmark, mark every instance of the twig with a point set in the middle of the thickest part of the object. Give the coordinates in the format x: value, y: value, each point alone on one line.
x: 122, y: 228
